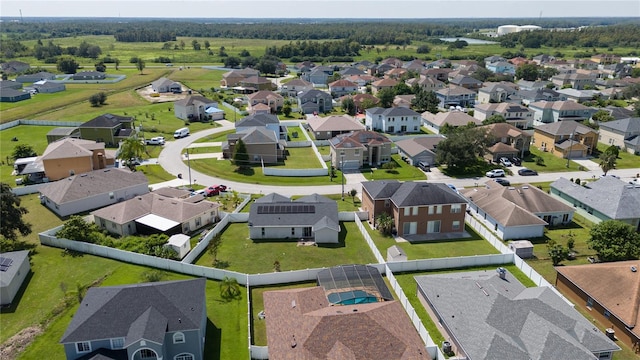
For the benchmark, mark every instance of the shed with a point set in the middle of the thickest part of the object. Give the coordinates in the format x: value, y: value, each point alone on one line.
x: 180, y: 243
x: 522, y: 248
x: 14, y: 268
x: 395, y: 253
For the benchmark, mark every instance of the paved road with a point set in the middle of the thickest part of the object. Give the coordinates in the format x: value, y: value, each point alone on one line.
x: 172, y: 161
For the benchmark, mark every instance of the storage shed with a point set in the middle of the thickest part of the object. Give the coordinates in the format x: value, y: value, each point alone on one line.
x: 14, y: 268
x: 395, y: 253
x: 522, y: 248
x: 180, y: 243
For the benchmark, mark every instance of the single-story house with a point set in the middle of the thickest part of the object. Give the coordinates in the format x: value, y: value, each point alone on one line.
x: 515, y: 114
x: 92, y: 190
x: 48, y: 87
x: 624, y: 133
x: 491, y: 315
x: 517, y: 212
x: 11, y: 95
x: 61, y: 133
x: 14, y: 268
x: 10, y: 84
x: 160, y: 211
x: 295, y: 86
x: 313, y: 217
x: 164, y: 85
x: 14, y: 66
x: 455, y: 118
x: 325, y: 128
x: 418, y: 149
x: 31, y: 78
x: 157, y: 320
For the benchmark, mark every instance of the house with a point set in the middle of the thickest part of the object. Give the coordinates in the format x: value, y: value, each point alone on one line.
x: 495, y: 93
x: 515, y: 114
x: 315, y: 101
x: 466, y: 82
x: 498, y: 318
x: 565, y: 139
x: 157, y: 320
x: 89, y: 75
x: 257, y: 83
x: 9, y: 84
x: 268, y: 121
x: 360, y: 148
x: 624, y: 133
x: 92, y: 190
x: 393, y: 120
x: 618, y: 113
x: 579, y: 95
x: 318, y: 75
x: 441, y: 74
x: 386, y: 83
x: 553, y: 111
x: 194, y: 108
x: 540, y: 95
x: 607, y: 198
x: 262, y: 144
x: 350, y: 71
x: 453, y: 95
x: 161, y: 211
x: 501, y: 67
x: 11, y: 95
x: 14, y: 67
x: 506, y: 134
x: 576, y: 81
x: 404, y: 101
x: 302, y: 323
x: 62, y: 132
x: 48, y: 87
x: 342, y: 87
x: 273, y: 100
x: 325, y: 128
x: 69, y: 156
x: 108, y: 128
x: 14, y: 268
x: 233, y: 77
x: 395, y: 73
x: 417, y: 149
x: 164, y: 85
x: 455, y: 118
x: 295, y: 86
x: 608, y: 292
x: 416, y: 65
x: 427, y: 83
x: 532, y: 85
x: 361, y: 80
x: 39, y: 76
x: 420, y: 211
x: 517, y: 212
x: 313, y: 217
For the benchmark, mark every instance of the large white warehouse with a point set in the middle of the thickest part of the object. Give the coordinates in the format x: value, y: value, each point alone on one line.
x: 508, y: 29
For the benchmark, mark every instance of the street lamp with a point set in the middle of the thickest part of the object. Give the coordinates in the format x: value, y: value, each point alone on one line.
x: 569, y: 153
x: 342, y: 170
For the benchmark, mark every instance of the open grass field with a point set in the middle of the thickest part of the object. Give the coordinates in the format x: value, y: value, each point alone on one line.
x: 239, y: 253
x: 624, y: 161
x: 402, y: 171
x: 198, y: 79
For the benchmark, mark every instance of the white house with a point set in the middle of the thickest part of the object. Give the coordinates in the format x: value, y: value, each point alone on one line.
x: 393, y: 120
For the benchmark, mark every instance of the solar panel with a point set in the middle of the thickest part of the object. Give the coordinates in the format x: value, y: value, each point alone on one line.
x: 5, y: 263
x: 286, y: 209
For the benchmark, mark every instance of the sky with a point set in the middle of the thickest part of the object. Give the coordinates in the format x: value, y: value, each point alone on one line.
x: 321, y: 8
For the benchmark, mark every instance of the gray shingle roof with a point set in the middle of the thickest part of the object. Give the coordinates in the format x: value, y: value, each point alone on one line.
x: 496, y: 319
x: 629, y: 125
x: 106, y: 121
x: 137, y: 310
x: 420, y: 193
x: 322, y: 212
x: 260, y: 119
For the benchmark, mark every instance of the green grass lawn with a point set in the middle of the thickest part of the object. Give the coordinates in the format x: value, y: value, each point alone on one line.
x: 35, y: 136
x: 203, y: 150
x: 239, y: 253
x: 218, y: 137
x: 409, y: 286
x: 474, y: 245
x: 403, y: 171
x: 300, y: 158
x: 155, y: 173
x: 552, y: 163
x: 624, y: 160
x: 348, y: 204
x: 294, y: 133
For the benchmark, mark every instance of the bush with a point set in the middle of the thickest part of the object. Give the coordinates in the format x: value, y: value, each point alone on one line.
x: 389, y: 165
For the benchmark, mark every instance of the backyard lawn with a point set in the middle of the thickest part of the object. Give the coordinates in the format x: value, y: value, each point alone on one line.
x: 624, y: 161
x: 301, y: 158
x: 239, y: 253
x: 474, y: 245
x: 552, y: 163
x: 218, y: 137
x: 403, y: 171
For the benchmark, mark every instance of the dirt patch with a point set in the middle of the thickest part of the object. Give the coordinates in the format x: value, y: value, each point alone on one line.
x: 146, y: 92
x: 18, y: 342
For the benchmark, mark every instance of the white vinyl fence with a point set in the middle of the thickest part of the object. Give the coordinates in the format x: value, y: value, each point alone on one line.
x: 14, y: 123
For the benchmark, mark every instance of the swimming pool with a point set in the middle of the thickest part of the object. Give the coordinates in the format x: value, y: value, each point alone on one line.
x: 352, y: 297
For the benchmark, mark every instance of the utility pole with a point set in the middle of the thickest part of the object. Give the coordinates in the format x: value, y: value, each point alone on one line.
x: 342, y: 170
x: 569, y: 153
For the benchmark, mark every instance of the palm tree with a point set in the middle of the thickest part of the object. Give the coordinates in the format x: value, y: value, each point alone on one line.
x: 229, y: 288
x: 607, y: 162
x: 385, y: 223
x: 131, y: 148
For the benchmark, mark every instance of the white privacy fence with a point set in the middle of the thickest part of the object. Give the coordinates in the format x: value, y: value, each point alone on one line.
x: 11, y: 124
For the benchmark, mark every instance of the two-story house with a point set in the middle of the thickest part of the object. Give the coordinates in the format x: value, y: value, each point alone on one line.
x: 393, y: 120
x: 501, y: 67
x: 576, y: 81
x: 454, y: 118
x: 342, y: 87
x: 495, y: 93
x: 553, y: 111
x: 427, y: 83
x: 268, y: 121
x: 107, y: 128
x: 262, y: 144
x: 565, y: 139
x: 70, y: 156
x: 294, y: 87
x: 256, y: 83
x: 386, y: 83
x: 466, y: 82
x: 194, y: 108
x: 515, y: 114
x: 325, y: 128
x: 420, y: 211
x: 453, y: 95
x: 516, y: 140
x: 315, y: 101
x: 233, y: 77
x: 624, y: 133
x: 318, y: 75
x: 273, y: 100
x: 360, y: 148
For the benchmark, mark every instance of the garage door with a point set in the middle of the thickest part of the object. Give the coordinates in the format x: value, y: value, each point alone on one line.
x: 576, y: 154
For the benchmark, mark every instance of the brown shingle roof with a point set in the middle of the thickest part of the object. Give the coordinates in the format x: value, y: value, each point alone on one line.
x: 335, y: 123
x: 70, y: 147
x: 453, y: 118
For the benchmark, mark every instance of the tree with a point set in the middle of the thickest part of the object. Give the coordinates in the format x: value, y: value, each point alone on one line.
x: 557, y: 252
x: 214, y: 247
x: 425, y: 100
x: 349, y: 106
x: 101, y: 67
x: 140, y: 65
x: 11, y: 211
x: 286, y: 109
x: 528, y: 72
x: 602, y: 116
x: 132, y: 148
x: 463, y: 147
x: 23, y: 151
x: 385, y: 223
x: 240, y: 155
x: 222, y: 52
x: 117, y: 62
x: 98, y: 99
x: 386, y: 97
x: 78, y: 230
x: 547, y: 72
x: 493, y: 119
x: 207, y: 44
x: 608, y: 159
x: 423, y: 49
x: 67, y: 65
x: 614, y: 241
x: 230, y: 289
x: 353, y: 193
x: 195, y: 44
x: 231, y: 62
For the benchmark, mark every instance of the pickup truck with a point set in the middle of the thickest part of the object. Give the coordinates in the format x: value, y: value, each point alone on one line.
x: 158, y: 140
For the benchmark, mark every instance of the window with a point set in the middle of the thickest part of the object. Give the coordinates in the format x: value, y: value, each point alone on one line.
x: 407, y: 211
x: 293, y: 231
x: 456, y: 208
x: 117, y: 343
x: 387, y: 203
x: 83, y: 347
x: 607, y: 314
x: 438, y: 209
x: 148, y: 354
x: 456, y: 225
x: 431, y: 210
x: 415, y: 210
x: 589, y: 302
x: 198, y: 221
x: 565, y: 218
x: 112, y: 195
x: 262, y: 230
x: 433, y: 226
x: 183, y: 357
x: 178, y: 338
x: 356, y: 152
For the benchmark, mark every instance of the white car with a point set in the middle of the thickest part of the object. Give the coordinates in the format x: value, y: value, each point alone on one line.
x: 158, y: 140
x: 505, y: 161
x: 495, y: 173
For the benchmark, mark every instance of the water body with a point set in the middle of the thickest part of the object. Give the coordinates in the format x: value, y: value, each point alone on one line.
x: 469, y: 41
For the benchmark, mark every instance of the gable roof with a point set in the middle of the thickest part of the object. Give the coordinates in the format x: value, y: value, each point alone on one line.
x: 297, y: 82
x: 70, y: 147
x: 313, y: 93
x: 92, y: 183
x: 501, y: 130
x: 453, y: 118
x: 414, y: 145
x: 454, y: 90
x: 139, y: 311
x: 386, y: 82
x: 613, y: 285
x: 106, y: 121
x: 343, y: 82
x: 258, y: 135
x: 608, y: 195
x: 392, y: 111
x: 501, y: 319
x: 259, y: 119
x: 334, y: 123
x: 163, y: 81
x: 359, y: 138
x: 310, y: 329
x: 312, y: 210
x: 193, y: 100
x: 566, y: 127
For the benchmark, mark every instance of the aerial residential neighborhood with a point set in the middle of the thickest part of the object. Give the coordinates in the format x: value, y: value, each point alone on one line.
x: 320, y: 189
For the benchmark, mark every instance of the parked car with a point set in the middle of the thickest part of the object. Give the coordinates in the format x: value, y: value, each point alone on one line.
x: 222, y: 188
x: 503, y: 182
x: 212, y: 190
x: 505, y: 161
x: 495, y: 173
x: 527, y: 172
x: 516, y: 161
x: 158, y: 140
x: 424, y: 166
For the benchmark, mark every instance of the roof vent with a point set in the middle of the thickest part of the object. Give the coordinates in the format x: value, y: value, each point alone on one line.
x: 634, y: 269
x: 293, y: 303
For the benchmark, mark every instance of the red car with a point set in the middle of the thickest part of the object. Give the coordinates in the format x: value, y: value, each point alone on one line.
x: 215, y: 190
